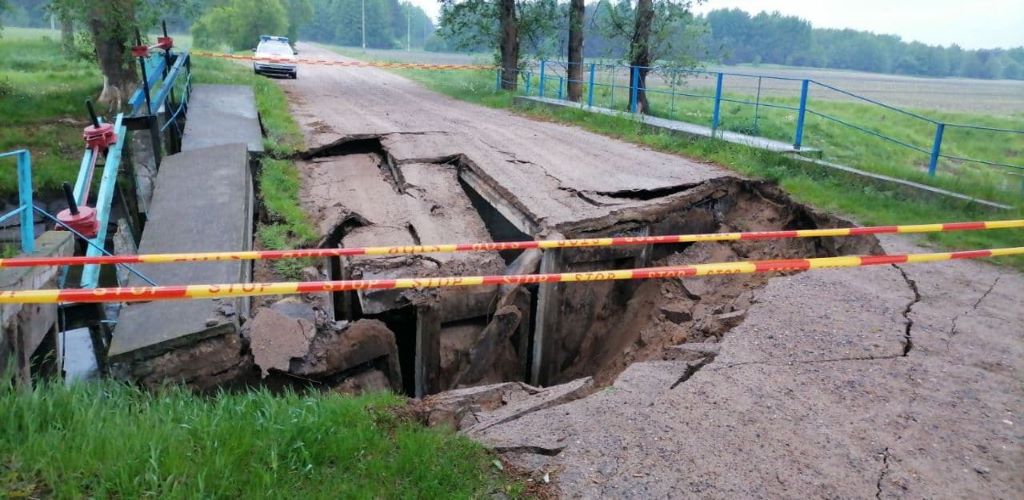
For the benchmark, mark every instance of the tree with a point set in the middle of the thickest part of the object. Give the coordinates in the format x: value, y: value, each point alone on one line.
x: 112, y: 25
x: 299, y: 13
x: 640, y: 53
x: 509, y: 45
x: 656, y: 30
x: 575, y: 74
x: 239, y: 23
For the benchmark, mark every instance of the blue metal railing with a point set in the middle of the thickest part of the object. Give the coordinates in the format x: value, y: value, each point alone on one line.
x: 554, y: 73
x: 24, y: 210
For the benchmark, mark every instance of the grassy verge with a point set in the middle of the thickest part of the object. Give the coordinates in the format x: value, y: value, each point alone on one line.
x: 42, y: 107
x: 289, y: 226
x: 108, y: 439
x: 868, y: 204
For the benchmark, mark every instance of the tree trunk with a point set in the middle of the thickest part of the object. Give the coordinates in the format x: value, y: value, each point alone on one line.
x: 640, y: 52
x: 112, y: 24
x: 67, y: 33
x: 509, y: 45
x: 576, y: 10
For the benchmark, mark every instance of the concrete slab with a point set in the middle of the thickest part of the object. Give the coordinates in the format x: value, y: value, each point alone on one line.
x: 222, y: 114
x: 203, y: 202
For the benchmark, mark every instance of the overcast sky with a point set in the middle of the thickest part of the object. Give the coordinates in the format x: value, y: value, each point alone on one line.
x: 972, y: 24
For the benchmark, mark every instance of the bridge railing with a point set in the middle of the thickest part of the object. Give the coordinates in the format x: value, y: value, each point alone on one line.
x: 25, y: 206
x: 160, y: 103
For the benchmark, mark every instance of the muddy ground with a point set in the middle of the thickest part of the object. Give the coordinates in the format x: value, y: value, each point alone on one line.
x: 889, y: 381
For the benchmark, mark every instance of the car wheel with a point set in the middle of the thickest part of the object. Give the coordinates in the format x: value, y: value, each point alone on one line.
x: 295, y: 75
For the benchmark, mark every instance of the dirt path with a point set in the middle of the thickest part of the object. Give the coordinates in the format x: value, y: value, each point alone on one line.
x: 886, y: 382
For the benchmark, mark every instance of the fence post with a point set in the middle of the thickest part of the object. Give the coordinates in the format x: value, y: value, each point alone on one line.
x: 634, y: 89
x: 28, y: 234
x: 497, y: 79
x: 590, y: 87
x: 933, y: 164
x: 798, y: 141
x: 716, y: 114
x: 529, y: 79
x: 540, y: 92
x: 559, y: 88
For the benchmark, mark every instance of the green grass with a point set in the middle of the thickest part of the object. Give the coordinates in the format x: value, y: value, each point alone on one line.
x: 42, y: 107
x: 866, y: 203
x: 107, y: 439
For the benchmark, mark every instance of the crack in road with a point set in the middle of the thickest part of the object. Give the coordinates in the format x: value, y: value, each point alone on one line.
x: 885, y: 472
x: 908, y: 340
x: 692, y: 369
x: 954, y: 327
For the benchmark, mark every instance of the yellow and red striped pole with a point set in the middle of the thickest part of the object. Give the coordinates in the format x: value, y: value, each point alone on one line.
x: 150, y: 293
x: 169, y: 258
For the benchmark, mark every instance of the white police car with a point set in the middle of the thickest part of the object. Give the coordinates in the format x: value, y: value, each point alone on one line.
x: 274, y: 56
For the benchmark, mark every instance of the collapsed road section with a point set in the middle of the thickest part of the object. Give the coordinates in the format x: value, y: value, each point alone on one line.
x: 362, y: 194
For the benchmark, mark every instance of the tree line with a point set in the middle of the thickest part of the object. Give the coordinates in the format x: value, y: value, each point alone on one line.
x: 729, y: 36
x: 738, y: 37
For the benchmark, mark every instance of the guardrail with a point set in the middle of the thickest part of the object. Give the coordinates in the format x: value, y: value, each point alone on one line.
x: 550, y: 79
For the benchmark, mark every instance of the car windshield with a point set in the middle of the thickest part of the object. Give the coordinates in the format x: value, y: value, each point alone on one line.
x: 275, y: 49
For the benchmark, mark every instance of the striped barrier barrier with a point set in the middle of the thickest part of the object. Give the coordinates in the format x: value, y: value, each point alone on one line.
x: 168, y: 258
x: 151, y: 293
x: 333, y: 62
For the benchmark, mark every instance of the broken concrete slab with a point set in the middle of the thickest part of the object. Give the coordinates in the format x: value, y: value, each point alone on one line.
x: 450, y: 408
x: 276, y: 338
x: 540, y: 400
x: 222, y: 114
x: 360, y: 343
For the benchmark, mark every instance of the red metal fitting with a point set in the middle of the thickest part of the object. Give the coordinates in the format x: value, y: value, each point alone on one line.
x: 101, y: 137
x: 84, y: 222
x: 140, y: 51
x: 164, y: 42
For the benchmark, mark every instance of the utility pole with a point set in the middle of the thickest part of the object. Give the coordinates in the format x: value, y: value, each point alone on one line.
x: 408, y: 27
x: 364, y: 24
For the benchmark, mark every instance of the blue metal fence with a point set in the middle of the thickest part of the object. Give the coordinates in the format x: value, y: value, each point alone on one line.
x: 553, y: 79
x: 25, y: 207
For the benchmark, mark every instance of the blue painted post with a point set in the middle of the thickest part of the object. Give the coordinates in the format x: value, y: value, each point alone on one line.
x: 634, y: 89
x: 529, y: 80
x: 559, y: 88
x: 716, y: 114
x: 590, y: 87
x: 28, y: 233
x: 541, y: 91
x: 497, y: 79
x: 800, y: 116
x: 933, y: 164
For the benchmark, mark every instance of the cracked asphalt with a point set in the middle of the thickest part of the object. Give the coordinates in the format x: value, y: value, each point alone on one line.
x: 874, y: 382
